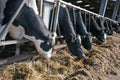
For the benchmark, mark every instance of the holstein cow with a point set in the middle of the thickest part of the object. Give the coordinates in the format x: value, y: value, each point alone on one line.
x: 100, y: 22
x: 80, y: 28
x: 30, y: 26
x: 96, y: 30
x: 93, y: 26
x: 67, y: 30
x: 115, y: 26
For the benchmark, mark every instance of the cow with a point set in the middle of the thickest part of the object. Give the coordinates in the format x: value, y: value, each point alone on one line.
x: 96, y: 30
x: 115, y: 26
x: 80, y: 28
x: 95, y: 26
x: 67, y: 30
x: 30, y: 23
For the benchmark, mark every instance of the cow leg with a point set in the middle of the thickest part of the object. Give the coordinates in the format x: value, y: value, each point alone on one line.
x: 68, y: 32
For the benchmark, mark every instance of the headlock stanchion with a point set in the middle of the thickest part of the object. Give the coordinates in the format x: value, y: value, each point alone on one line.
x: 77, y: 7
x: 55, y: 23
x: 116, y: 8
x: 5, y: 30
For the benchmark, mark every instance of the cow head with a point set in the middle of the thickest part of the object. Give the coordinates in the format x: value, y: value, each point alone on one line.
x: 87, y: 41
x: 45, y: 47
x: 97, y: 31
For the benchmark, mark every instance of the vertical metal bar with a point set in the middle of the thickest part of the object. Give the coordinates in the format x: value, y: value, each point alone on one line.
x: 56, y: 16
x: 41, y: 8
x: 52, y: 17
x: 115, y: 9
x: 17, y: 49
x: 86, y: 19
x: 103, y: 7
x: 5, y: 30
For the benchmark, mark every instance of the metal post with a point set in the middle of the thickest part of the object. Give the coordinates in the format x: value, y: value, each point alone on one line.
x: 115, y: 9
x: 103, y: 7
x: 41, y: 7
x: 56, y: 16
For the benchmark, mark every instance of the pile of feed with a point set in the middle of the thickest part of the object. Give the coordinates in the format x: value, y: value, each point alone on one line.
x: 102, y: 63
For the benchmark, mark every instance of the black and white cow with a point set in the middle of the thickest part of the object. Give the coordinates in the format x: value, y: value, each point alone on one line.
x: 80, y: 28
x: 30, y: 26
x: 96, y: 30
x: 115, y: 26
x: 67, y: 30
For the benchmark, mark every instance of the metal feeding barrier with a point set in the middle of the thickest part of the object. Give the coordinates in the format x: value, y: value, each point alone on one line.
x: 82, y: 9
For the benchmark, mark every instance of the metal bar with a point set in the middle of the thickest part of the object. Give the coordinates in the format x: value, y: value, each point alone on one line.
x: 52, y: 17
x: 103, y: 7
x: 56, y: 16
x: 49, y: 1
x: 5, y: 30
x: 77, y: 7
x: 41, y: 8
x: 2, y: 43
x: 115, y: 9
x: 18, y: 58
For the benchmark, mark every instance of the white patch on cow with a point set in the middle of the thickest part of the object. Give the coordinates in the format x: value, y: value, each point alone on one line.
x: 33, y: 5
x: 105, y: 36
x: 46, y: 54
x: 79, y: 38
x: 37, y: 43
x: 16, y: 32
